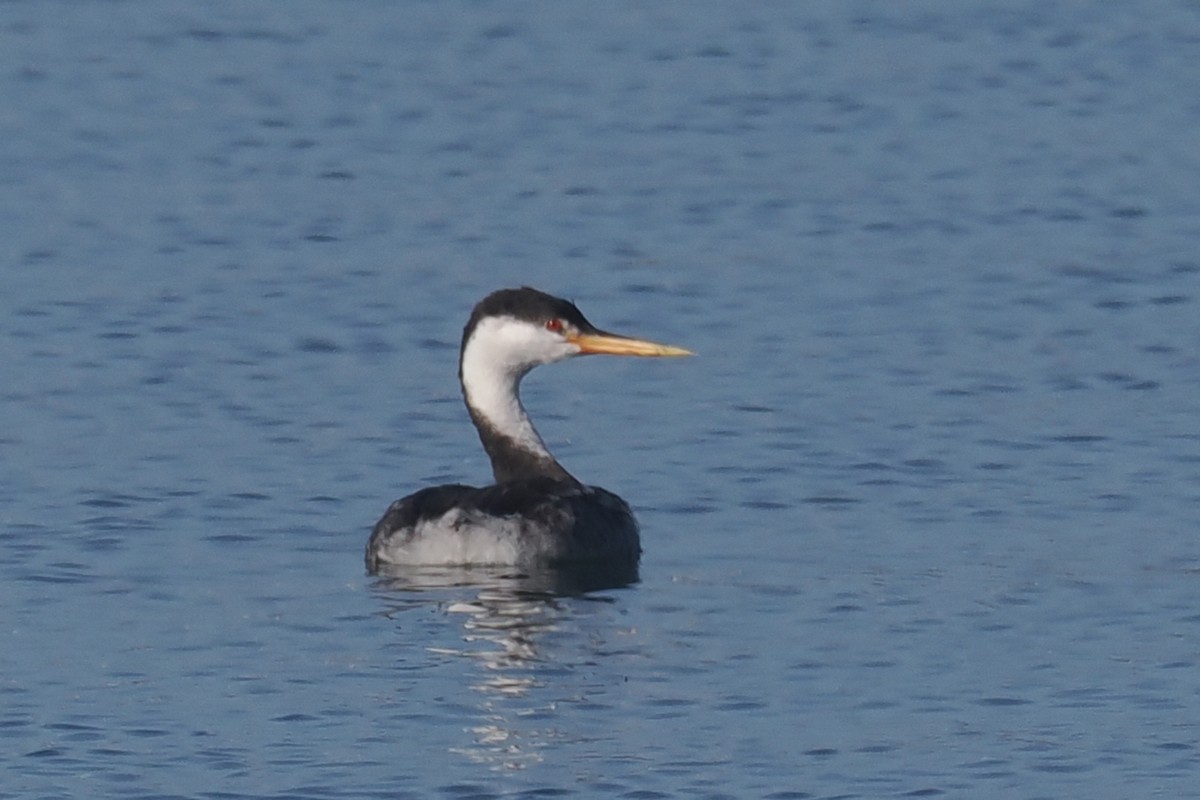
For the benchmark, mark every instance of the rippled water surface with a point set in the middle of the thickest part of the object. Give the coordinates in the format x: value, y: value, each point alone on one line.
x: 921, y: 520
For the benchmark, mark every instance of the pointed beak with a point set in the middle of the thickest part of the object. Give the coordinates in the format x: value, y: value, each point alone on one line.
x: 601, y: 343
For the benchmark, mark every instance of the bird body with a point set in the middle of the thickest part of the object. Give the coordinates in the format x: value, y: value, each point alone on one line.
x: 536, y: 520
x: 536, y: 512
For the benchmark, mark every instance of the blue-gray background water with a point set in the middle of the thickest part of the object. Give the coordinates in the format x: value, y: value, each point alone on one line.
x: 923, y: 518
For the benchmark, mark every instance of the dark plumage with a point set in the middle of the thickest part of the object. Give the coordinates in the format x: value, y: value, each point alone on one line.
x: 554, y: 521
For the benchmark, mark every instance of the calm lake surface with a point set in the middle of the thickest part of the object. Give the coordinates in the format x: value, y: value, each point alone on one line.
x: 922, y: 519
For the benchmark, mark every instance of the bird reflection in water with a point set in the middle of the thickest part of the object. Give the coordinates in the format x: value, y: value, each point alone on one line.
x: 506, y: 618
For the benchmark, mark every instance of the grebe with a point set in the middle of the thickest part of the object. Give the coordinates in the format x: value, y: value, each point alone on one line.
x: 536, y: 512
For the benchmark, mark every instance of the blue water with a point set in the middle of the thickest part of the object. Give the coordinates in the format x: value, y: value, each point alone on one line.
x: 920, y: 520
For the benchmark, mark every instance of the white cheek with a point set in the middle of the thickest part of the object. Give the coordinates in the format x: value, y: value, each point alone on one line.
x: 514, y: 347
x: 551, y: 347
x: 537, y: 346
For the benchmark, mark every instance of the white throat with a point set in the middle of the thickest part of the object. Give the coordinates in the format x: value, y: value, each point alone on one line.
x: 494, y: 360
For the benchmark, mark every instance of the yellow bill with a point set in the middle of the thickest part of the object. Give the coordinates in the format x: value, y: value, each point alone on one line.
x: 613, y: 345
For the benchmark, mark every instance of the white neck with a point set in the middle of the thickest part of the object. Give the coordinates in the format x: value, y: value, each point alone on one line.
x: 491, y: 377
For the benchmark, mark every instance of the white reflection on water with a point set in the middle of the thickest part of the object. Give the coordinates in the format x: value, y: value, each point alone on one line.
x: 506, y: 619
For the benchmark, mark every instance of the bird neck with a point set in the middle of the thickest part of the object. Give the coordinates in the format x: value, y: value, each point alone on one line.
x: 491, y: 392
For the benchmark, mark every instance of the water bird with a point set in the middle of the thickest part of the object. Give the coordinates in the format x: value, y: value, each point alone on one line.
x: 536, y: 513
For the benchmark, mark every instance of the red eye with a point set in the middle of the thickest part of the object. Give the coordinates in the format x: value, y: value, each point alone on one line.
x: 554, y: 325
